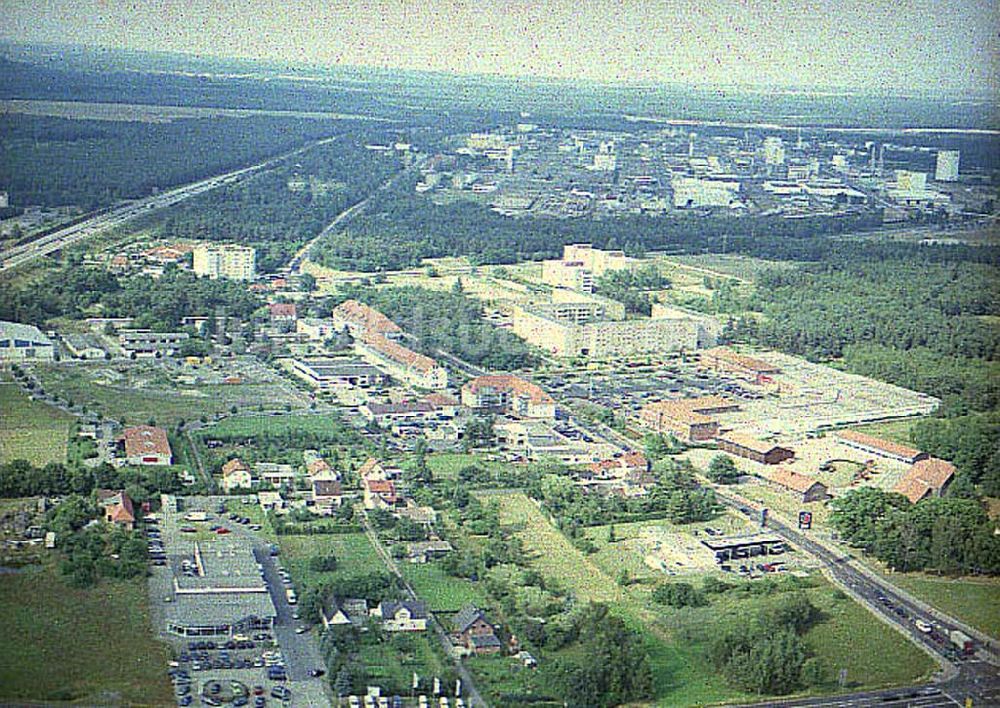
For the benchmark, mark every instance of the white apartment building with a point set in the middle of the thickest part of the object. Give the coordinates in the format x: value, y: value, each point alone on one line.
x: 230, y: 261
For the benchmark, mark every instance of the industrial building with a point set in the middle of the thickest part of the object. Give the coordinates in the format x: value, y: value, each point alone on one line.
x: 725, y: 360
x: 148, y: 343
x: 509, y: 395
x: 21, y: 342
x: 229, y: 261
x: 925, y: 478
x: 872, y: 445
x: 325, y: 374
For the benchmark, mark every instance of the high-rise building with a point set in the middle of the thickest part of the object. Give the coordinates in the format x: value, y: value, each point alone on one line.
x: 225, y: 261
x: 947, y: 166
x: 774, y: 151
x: 605, y: 159
x: 907, y: 181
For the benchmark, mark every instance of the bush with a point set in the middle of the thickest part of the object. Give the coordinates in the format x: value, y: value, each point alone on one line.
x: 321, y: 564
x: 679, y: 595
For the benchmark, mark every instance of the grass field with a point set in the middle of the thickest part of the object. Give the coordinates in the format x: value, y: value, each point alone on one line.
x: 394, y: 661
x: 898, y: 430
x: 354, y: 553
x: 849, y: 638
x: 446, y: 465
x: 973, y: 600
x: 93, y: 646
x: 442, y: 592
x: 166, y: 404
x: 31, y: 430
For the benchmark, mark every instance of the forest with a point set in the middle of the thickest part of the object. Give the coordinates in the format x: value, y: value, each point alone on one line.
x: 102, y: 162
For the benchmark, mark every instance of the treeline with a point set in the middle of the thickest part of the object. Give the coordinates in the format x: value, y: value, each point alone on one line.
x: 74, y: 291
x: 20, y: 478
x: 971, y: 441
x: 947, y: 535
x: 58, y: 161
x: 278, y: 211
x: 402, y: 228
x: 450, y: 321
x: 631, y: 287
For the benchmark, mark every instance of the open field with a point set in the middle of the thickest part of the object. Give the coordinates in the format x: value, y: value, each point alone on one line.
x: 442, y: 592
x: 140, y: 395
x: 678, y: 639
x: 91, y: 646
x: 31, y: 430
x: 898, y: 430
x: 355, y: 555
x: 974, y: 600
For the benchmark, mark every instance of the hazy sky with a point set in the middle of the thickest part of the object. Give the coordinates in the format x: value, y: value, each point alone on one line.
x: 895, y: 44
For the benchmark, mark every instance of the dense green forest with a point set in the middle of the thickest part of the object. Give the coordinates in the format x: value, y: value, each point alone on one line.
x: 450, y: 321
x: 101, y: 162
x: 73, y: 291
x: 277, y: 212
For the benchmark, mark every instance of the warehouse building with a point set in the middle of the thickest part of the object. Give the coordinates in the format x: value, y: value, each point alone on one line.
x: 872, y: 445
x: 928, y: 477
x: 687, y: 419
x: 336, y: 373
x: 21, y: 342
x: 725, y: 360
x: 806, y: 489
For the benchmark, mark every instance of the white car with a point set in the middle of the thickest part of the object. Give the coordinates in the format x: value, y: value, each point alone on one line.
x: 923, y: 626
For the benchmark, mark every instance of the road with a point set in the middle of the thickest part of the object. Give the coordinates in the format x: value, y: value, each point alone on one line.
x: 343, y: 217
x: 471, y: 694
x: 121, y: 213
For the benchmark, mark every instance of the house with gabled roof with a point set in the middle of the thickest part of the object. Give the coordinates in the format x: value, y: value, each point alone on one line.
x: 340, y: 612
x: 118, y: 508
x: 236, y: 475
x: 401, y: 615
x: 474, y: 631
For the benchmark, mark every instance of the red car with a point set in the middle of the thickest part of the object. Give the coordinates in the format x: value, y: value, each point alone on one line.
x: 222, y: 530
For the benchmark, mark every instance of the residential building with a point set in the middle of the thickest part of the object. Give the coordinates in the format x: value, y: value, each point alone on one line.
x: 595, y: 260
x: 805, y: 488
x: 282, y: 312
x: 379, y: 494
x: 435, y: 406
x: 341, y: 612
x: 401, y: 616
x: 727, y: 361
x: 568, y: 274
x: 872, y: 445
x: 928, y: 477
x: 148, y: 343
x: 620, y: 467
x: 423, y: 551
x: 315, y: 329
x: 509, y: 395
x: 751, y: 448
x: 147, y: 445
x: 401, y: 363
x: 686, y: 419
x: 359, y: 319
x: 118, y: 508
x: 236, y: 475
x: 21, y: 342
x: 318, y: 468
x: 326, y: 494
x: 229, y: 261
x: 274, y: 473
x: 474, y: 631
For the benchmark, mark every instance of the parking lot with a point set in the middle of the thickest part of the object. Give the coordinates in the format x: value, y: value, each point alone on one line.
x: 248, y: 664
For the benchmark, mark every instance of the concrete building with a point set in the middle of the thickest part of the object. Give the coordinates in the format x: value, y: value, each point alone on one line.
x: 83, y: 346
x: 578, y: 335
x: 946, y: 169
x: 147, y: 343
x: 751, y: 448
x: 147, y: 445
x: 806, y: 489
x: 509, y: 395
x: 315, y: 329
x: 230, y: 261
x: 774, y: 151
x: 692, y: 192
x: 709, y: 328
x: 595, y: 260
x: 21, y: 342
x: 568, y: 274
x: 326, y: 374
x: 925, y: 478
x: 4, y: 200
x: 605, y: 159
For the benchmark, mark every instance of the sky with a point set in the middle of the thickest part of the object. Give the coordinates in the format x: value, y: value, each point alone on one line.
x: 874, y: 44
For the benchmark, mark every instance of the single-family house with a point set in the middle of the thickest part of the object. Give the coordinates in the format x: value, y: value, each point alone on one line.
x: 118, y: 508
x: 401, y: 616
x: 474, y: 631
x: 236, y: 475
x: 339, y: 612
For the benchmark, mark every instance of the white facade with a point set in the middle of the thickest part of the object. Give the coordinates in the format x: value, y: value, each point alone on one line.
x: 694, y: 192
x: 947, y: 166
x: 225, y: 261
x: 21, y: 342
x: 774, y: 151
x: 4, y: 200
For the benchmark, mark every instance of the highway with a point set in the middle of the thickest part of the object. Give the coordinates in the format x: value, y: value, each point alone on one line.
x: 121, y: 213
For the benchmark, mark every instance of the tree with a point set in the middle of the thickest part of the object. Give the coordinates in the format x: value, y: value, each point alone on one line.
x: 722, y: 470
x: 679, y: 595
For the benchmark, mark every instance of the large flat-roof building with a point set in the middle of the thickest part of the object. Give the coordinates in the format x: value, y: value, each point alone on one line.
x: 21, y: 342
x: 147, y: 343
x: 337, y: 373
x: 687, y: 419
x: 872, y: 445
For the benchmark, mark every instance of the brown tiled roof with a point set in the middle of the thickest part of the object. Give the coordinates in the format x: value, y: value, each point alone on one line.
x: 383, y: 488
x: 319, y: 466
x: 368, y: 318
x: 234, y: 465
x: 440, y: 400
x: 630, y: 460
x: 398, y: 353
x: 747, y: 362
x: 282, y: 309
x: 789, y: 479
x: 749, y: 442
x: 893, y: 448
x: 924, y: 476
x: 146, y: 440
x: 326, y: 488
x: 506, y: 382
